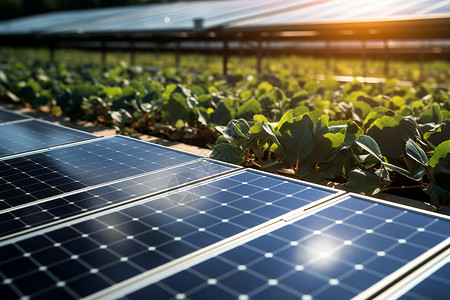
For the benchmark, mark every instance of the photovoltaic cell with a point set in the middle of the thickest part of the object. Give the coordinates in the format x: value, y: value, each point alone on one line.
x: 135, y: 188
x: 85, y: 256
x: 31, y: 135
x: 9, y: 116
x: 47, y: 174
x: 335, y: 253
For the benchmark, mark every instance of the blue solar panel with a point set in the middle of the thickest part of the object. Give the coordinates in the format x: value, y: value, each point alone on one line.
x: 335, y: 253
x: 32, y: 135
x: 39, y: 176
x: 435, y: 286
x: 81, y: 257
x: 9, y: 116
x: 127, y: 190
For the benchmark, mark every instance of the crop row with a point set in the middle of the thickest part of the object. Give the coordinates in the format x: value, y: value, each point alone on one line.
x: 369, y: 138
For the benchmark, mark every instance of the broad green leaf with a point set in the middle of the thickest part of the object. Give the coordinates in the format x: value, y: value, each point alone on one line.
x: 298, y: 97
x: 435, y: 193
x: 121, y: 116
x: 263, y: 130
x: 85, y: 91
x: 112, y: 92
x: 168, y: 90
x: 417, y: 175
x: 321, y: 127
x: 398, y: 101
x: 222, y: 140
x: 249, y: 108
x: 438, y: 133
x: 370, y: 145
x: 383, y: 173
x: 383, y: 122
x: 432, y: 114
x: 312, y: 87
x: 260, y: 118
x: 416, y: 153
x: 298, y: 140
x: 291, y: 115
x: 223, y: 112
x: 327, y: 147
x: 228, y: 153
x: 202, y: 115
x: 391, y: 134
x: 363, y: 182
x: 362, y: 109
x: 244, y: 95
x: 336, y: 139
x: 440, y: 153
x: 174, y: 110
x: 263, y: 89
x: 237, y: 129
x: 192, y: 102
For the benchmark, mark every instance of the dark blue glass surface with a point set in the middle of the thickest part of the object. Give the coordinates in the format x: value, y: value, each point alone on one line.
x: 436, y: 286
x: 32, y: 135
x: 127, y: 190
x: 113, y: 246
x: 51, y: 173
x: 332, y: 254
x: 9, y: 116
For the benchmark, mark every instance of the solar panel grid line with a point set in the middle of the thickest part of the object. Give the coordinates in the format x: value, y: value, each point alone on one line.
x: 50, y: 173
x: 273, y: 254
x: 419, y: 275
x: 149, y: 234
x: 74, y: 210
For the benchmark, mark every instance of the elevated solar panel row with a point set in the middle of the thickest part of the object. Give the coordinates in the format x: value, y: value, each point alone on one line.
x: 86, y: 201
x: 84, y: 256
x: 35, y: 177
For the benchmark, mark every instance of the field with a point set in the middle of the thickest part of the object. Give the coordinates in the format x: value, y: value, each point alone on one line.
x: 368, y: 138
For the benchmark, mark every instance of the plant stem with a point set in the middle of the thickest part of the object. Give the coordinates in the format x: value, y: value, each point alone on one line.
x: 402, y: 187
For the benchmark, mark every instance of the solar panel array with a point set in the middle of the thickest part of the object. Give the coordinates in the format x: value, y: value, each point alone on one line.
x: 179, y: 16
x: 155, y: 17
x: 347, y: 10
x: 121, y: 218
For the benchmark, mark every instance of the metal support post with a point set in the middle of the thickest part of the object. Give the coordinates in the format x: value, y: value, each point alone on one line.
x: 225, y: 57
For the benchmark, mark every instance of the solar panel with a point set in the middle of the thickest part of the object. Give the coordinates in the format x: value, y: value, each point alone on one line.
x: 430, y: 281
x: 107, y: 195
x: 19, y: 137
x: 335, y: 252
x: 347, y: 10
x: 150, y: 17
x: 436, y: 286
x: 84, y: 256
x: 39, y: 176
x: 9, y: 116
